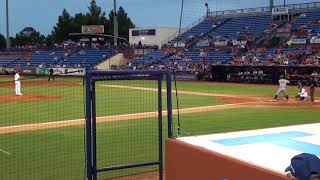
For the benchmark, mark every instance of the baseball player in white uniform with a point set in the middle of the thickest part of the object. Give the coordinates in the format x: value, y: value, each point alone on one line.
x: 282, y: 88
x: 17, y: 83
x: 302, y: 94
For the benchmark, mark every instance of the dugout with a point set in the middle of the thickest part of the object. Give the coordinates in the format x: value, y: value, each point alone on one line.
x: 270, y: 75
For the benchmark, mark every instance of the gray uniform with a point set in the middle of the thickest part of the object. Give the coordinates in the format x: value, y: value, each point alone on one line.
x: 283, y: 87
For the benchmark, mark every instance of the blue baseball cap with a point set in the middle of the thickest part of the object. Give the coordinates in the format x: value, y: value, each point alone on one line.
x: 302, y: 165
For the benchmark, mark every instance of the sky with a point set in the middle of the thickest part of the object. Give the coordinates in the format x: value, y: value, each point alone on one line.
x: 43, y: 14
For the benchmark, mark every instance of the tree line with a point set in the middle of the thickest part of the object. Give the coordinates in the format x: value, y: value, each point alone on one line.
x: 72, y: 24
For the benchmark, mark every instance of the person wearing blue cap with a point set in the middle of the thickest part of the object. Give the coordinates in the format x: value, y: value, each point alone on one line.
x: 304, y: 166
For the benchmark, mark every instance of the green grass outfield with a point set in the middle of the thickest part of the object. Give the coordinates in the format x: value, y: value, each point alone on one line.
x: 58, y: 153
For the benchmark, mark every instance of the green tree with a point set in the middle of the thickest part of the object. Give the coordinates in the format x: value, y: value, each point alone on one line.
x: 63, y: 27
x: 95, y: 16
x: 28, y: 36
x: 49, y: 41
x: 124, y: 23
x: 2, y: 41
x: 80, y: 19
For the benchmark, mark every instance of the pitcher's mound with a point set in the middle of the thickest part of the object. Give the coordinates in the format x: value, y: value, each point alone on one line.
x: 28, y: 98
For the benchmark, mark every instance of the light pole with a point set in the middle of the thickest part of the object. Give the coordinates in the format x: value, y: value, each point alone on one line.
x: 181, y: 13
x: 271, y: 5
x: 7, y: 25
x: 115, y: 23
x: 207, y: 6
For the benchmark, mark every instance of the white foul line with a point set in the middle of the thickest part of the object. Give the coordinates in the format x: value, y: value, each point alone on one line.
x: 5, y: 152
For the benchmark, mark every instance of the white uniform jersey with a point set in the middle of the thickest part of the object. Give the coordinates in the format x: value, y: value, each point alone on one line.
x: 16, y: 77
x: 283, y: 83
x: 303, y: 93
x: 17, y: 84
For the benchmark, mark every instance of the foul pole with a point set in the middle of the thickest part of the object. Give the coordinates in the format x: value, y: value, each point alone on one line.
x: 7, y: 25
x: 115, y: 23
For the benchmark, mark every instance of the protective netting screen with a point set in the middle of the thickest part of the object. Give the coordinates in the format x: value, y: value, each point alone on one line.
x: 41, y: 127
x: 127, y: 127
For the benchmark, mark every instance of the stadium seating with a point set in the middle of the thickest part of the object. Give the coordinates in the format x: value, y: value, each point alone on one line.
x: 304, y: 21
x: 203, y: 27
x: 229, y: 27
x: 161, y: 57
x: 256, y: 25
x: 87, y: 58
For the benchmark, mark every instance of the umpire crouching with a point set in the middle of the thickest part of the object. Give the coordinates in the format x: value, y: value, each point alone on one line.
x: 312, y: 86
x: 50, y: 74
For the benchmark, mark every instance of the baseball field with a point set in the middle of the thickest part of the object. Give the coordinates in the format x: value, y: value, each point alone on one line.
x: 42, y: 133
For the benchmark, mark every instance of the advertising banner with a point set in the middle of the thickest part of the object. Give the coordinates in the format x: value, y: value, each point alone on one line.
x: 203, y: 44
x: 60, y: 71
x: 93, y: 29
x: 283, y: 30
x: 236, y: 43
x: 76, y: 72
x: 315, y: 40
x: 280, y: 11
x: 299, y: 41
x: 42, y: 71
x: 220, y: 43
x: 29, y: 71
x: 144, y: 32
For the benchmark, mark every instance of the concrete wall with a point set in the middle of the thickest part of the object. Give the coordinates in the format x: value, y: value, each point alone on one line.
x: 118, y: 60
x: 162, y: 34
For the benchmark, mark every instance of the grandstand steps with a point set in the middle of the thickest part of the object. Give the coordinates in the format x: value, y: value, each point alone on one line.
x: 193, y: 41
x: 116, y: 60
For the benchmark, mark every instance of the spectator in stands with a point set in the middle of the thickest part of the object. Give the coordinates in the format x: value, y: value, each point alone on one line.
x: 290, y: 43
x: 247, y: 76
x: 255, y: 75
x: 285, y: 61
x: 315, y: 75
x: 260, y: 74
x: 202, y: 54
x: 256, y: 60
x: 188, y: 58
x: 270, y: 59
x: 240, y: 75
x: 243, y: 59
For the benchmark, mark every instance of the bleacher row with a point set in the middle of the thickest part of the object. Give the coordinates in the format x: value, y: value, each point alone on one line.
x: 211, y: 57
x: 202, y: 28
x: 238, y: 25
x: 230, y: 28
x: 86, y: 58
x: 305, y: 19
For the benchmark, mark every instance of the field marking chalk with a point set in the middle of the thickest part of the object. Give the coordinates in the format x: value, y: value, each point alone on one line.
x: 5, y: 152
x: 113, y: 118
x: 179, y: 91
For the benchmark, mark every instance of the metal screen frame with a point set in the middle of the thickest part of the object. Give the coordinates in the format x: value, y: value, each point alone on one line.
x: 91, y: 150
